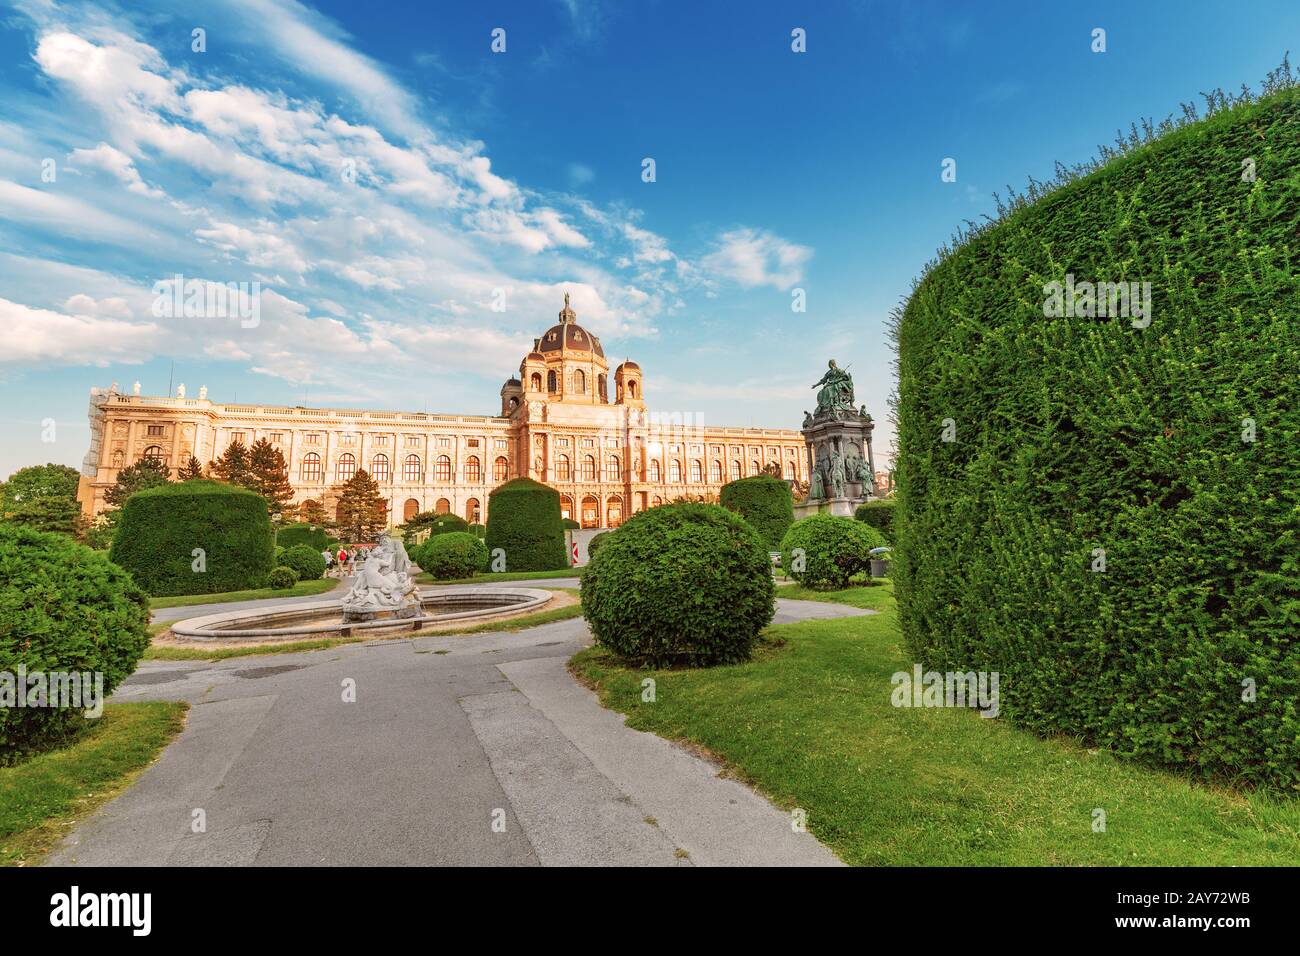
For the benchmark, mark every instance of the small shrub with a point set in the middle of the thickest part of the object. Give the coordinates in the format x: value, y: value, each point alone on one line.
x: 282, y: 578
x: 765, y: 502
x: 879, y: 515
x: 457, y: 554
x: 307, y: 562
x: 680, y: 584
x: 834, y: 550
x: 524, y: 521
x: 63, y: 608
x: 194, y: 537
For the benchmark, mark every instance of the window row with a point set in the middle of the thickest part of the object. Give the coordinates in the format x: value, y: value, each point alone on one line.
x: 311, y: 468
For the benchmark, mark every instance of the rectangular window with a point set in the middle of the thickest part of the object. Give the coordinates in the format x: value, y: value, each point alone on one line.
x: 444, y: 441
x: 412, y: 441
x: 277, y: 437
x: 499, y: 443
x: 236, y: 437
x: 312, y: 439
x: 472, y: 442
x: 381, y: 439
x: 155, y: 429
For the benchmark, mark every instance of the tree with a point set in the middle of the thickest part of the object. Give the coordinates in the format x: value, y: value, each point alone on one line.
x: 312, y: 511
x: 38, y: 481
x: 145, y: 473
x: 268, y: 475
x: 190, y: 470
x: 361, y: 510
x: 232, y: 467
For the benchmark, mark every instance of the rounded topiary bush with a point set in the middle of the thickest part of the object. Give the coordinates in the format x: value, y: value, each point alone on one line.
x: 309, y: 563
x: 457, y: 554
x: 879, y: 515
x: 524, y: 521
x: 680, y: 584
x: 282, y: 578
x: 63, y: 609
x: 194, y: 537
x: 595, y: 541
x: 1104, y: 508
x: 765, y: 502
x: 824, y: 551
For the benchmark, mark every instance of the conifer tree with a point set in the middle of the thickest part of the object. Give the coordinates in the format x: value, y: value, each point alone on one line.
x: 232, y: 467
x: 191, y: 469
x: 268, y: 475
x: 361, y: 510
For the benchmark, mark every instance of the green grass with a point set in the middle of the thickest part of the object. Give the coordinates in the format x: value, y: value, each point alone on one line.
x: 809, y: 722
x: 42, y: 798
x: 504, y: 576
x: 548, y: 616
x: 874, y: 597
x: 302, y: 588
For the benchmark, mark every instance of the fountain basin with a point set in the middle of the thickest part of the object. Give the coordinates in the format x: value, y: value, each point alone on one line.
x: 438, y: 606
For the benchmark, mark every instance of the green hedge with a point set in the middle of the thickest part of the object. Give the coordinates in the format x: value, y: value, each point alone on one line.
x: 1081, y: 440
x: 823, y: 551
x: 595, y: 541
x: 282, y: 578
x: 314, y: 536
x: 879, y: 515
x: 63, y: 608
x: 680, y: 584
x: 524, y: 521
x: 161, y: 528
x: 765, y: 502
x: 309, y: 563
x: 457, y: 554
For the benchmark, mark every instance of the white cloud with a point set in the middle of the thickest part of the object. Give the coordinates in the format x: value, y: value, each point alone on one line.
x: 32, y: 335
x: 753, y: 257
x: 116, y: 163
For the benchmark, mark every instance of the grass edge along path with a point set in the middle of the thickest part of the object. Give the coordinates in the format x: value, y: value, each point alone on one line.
x: 43, y: 798
x: 300, y: 589
x: 491, y: 577
x: 535, y: 619
x: 809, y: 723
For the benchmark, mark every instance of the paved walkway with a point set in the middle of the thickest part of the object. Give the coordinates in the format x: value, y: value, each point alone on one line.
x: 462, y: 750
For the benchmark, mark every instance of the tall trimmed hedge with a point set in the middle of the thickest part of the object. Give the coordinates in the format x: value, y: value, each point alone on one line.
x: 314, y: 536
x: 680, y: 584
x: 1107, y: 515
x: 63, y: 609
x: 524, y: 520
x: 765, y: 502
x: 161, y: 528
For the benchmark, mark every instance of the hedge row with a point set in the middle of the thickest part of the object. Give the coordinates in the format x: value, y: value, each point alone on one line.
x: 524, y: 520
x: 1109, y: 514
x: 765, y: 502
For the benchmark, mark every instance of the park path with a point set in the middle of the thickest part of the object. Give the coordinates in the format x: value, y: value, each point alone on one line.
x: 458, y: 750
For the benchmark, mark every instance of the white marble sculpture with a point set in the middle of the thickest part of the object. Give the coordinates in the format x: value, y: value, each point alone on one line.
x: 383, y: 584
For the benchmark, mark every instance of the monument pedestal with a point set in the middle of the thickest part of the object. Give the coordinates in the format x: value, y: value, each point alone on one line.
x: 840, y: 457
x: 840, y: 507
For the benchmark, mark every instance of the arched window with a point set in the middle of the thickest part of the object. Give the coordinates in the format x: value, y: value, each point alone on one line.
x: 500, y: 469
x: 590, y: 512
x: 410, y: 509
x: 473, y: 470
x: 696, y: 473
x: 411, y: 469
x: 753, y: 468
x: 471, y: 511
x: 656, y: 501
x: 550, y: 381
x: 735, y: 471
x: 379, y: 468
x: 789, y: 470
x: 588, y: 468
x: 310, y: 469
x: 155, y: 453
x: 535, y: 382
x: 347, y: 466
x: 613, y: 469
x: 562, y: 468
x: 675, y: 472
x: 614, y: 512
x: 654, y: 470
x: 631, y: 388
x: 442, y: 468
x: 579, y: 381
x: 566, y: 507
x: 715, y: 472
x: 442, y: 507
x: 601, y: 387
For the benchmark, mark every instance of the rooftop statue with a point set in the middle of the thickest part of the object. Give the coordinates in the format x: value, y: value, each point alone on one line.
x: 836, y: 395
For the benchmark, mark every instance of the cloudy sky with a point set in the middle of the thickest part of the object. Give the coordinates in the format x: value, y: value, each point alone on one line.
x: 392, y: 182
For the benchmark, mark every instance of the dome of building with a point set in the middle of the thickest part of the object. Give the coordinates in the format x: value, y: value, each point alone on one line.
x: 569, y: 335
x: 628, y: 365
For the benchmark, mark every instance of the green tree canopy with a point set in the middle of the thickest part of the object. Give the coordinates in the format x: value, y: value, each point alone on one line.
x: 361, y: 512
x: 145, y: 473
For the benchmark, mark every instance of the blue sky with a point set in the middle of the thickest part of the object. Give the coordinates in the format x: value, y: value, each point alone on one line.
x: 477, y: 171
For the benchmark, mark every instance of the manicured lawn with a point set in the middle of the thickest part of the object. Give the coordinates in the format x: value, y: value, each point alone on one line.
x: 491, y: 577
x: 42, y: 798
x: 548, y: 616
x: 302, y: 588
x: 872, y: 597
x: 809, y: 722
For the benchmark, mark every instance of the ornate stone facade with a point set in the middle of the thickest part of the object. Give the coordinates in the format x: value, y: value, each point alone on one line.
x: 564, y: 421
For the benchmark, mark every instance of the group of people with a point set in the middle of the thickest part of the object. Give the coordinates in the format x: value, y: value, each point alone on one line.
x: 344, y: 562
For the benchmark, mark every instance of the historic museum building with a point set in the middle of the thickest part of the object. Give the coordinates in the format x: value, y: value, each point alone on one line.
x: 564, y: 421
